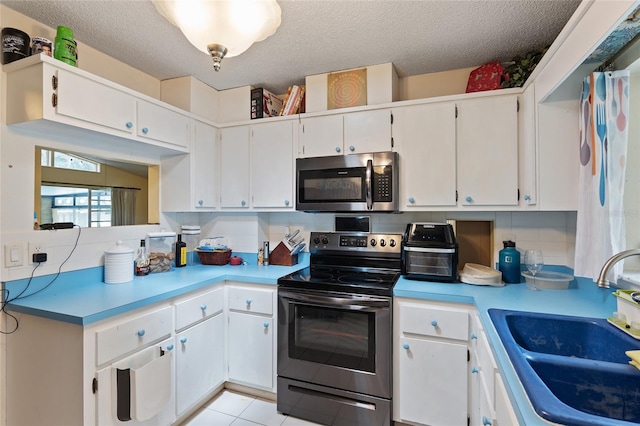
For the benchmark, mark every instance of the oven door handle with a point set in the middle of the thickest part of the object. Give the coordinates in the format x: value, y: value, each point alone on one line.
x: 360, y: 305
x: 368, y: 186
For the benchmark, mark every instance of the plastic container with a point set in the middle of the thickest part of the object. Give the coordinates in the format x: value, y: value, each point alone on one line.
x: 161, y: 246
x: 548, y: 280
x: 476, y: 274
x: 65, y: 48
x: 509, y: 263
x: 15, y: 45
x: 117, y: 264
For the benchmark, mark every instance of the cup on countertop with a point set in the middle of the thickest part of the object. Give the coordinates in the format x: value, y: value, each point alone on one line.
x: 41, y: 45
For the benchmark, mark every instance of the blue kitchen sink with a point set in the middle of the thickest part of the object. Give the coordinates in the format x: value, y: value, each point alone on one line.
x: 573, y: 369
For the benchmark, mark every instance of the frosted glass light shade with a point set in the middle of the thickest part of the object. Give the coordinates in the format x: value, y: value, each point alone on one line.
x: 234, y: 24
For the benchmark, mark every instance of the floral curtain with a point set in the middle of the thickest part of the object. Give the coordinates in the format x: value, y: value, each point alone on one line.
x: 604, y: 119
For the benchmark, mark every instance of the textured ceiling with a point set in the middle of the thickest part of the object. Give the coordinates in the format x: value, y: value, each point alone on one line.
x: 317, y: 36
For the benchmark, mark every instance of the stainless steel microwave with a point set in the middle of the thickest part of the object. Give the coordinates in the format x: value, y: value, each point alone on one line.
x: 348, y: 183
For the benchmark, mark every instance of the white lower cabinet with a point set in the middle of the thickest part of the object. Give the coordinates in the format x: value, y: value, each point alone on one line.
x: 431, y: 361
x: 251, y: 337
x: 199, y: 362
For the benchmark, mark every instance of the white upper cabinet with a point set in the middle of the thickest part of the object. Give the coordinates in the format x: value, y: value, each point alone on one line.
x: 425, y: 137
x: 234, y: 167
x: 321, y: 136
x: 55, y: 98
x: 341, y: 134
x: 188, y: 181
x: 488, y: 151
x: 81, y: 98
x: 272, y: 165
x: 367, y: 131
x: 162, y: 124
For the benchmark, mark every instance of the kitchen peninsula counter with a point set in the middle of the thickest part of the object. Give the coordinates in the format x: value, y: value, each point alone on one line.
x: 81, y: 297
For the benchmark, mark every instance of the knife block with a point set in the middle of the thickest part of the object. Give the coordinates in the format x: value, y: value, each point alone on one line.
x: 282, y: 256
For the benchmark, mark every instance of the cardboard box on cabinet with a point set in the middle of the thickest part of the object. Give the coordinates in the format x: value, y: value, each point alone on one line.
x: 382, y: 87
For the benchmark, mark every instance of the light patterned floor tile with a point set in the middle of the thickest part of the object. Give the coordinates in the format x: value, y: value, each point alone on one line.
x: 208, y: 417
x: 263, y: 412
x: 231, y: 403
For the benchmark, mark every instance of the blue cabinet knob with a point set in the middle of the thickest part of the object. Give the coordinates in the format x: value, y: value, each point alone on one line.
x: 129, y: 124
x: 248, y: 302
x: 473, y: 336
x: 486, y: 421
x: 474, y: 370
x: 203, y: 307
x: 145, y: 130
x: 286, y: 202
x: 243, y: 202
x: 183, y: 340
x: 434, y: 323
x: 338, y: 149
x: 170, y: 347
x: 406, y: 346
x: 352, y: 148
x: 201, y: 202
x: 412, y: 200
x: 141, y: 332
x: 266, y: 325
x: 527, y: 197
x: 468, y: 199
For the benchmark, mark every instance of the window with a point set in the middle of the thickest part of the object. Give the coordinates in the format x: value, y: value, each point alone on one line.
x: 86, y: 207
x: 63, y: 160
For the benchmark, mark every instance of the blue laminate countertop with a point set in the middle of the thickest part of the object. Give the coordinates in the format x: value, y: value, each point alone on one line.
x: 81, y: 297
x: 582, y: 298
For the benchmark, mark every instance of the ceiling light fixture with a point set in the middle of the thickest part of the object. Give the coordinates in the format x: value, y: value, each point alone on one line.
x: 222, y: 28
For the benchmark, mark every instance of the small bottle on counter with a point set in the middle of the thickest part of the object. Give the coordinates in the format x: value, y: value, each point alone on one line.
x: 265, y: 254
x: 509, y: 263
x: 142, y: 260
x: 181, y: 252
x: 260, y: 256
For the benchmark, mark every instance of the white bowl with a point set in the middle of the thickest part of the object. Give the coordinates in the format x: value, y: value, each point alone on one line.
x: 548, y: 280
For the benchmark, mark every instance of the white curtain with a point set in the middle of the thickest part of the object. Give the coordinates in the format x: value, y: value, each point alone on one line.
x: 604, y: 118
x: 123, y: 206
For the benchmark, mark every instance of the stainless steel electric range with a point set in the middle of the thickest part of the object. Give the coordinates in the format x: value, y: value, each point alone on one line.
x: 335, y: 330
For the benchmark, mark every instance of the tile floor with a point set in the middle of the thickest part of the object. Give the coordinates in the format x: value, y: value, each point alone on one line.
x: 230, y: 408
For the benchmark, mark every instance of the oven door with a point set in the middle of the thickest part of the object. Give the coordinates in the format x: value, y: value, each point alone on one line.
x: 335, y: 339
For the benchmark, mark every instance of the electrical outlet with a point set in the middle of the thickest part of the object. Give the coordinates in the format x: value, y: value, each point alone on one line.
x: 36, y: 247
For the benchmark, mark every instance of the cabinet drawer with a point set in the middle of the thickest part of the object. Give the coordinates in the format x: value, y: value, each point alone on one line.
x: 131, y: 334
x: 433, y: 321
x: 251, y: 300
x: 199, y: 307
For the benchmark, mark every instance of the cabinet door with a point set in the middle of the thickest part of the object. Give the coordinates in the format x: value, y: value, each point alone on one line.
x: 425, y: 136
x: 488, y: 151
x: 433, y: 382
x: 272, y: 165
x: 251, y: 350
x: 367, y: 131
x: 234, y: 167
x: 321, y: 136
x: 203, y: 161
x: 199, y: 362
x: 90, y: 101
x: 162, y: 124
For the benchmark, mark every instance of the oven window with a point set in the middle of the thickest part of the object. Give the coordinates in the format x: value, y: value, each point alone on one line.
x: 333, y: 336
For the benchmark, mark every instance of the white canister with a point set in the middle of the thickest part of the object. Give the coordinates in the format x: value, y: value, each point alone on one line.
x: 118, y: 264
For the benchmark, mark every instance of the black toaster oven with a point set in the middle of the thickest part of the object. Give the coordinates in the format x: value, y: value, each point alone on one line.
x: 430, y: 252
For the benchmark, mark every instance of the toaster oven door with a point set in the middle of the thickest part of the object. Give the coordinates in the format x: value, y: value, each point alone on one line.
x: 434, y: 264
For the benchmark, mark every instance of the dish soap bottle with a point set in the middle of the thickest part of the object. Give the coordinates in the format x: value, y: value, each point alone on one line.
x: 142, y: 260
x: 181, y: 252
x: 509, y: 262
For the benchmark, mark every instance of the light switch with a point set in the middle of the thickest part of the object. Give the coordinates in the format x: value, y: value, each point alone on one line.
x: 13, y: 255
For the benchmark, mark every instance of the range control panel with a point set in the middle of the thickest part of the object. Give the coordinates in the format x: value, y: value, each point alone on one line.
x: 361, y: 242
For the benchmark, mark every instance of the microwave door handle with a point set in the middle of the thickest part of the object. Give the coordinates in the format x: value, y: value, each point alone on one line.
x: 368, y: 186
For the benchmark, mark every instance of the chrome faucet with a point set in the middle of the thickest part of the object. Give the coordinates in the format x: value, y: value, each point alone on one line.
x: 602, y: 279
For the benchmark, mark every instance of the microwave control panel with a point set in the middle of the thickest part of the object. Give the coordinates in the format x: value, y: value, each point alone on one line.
x: 382, y: 183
